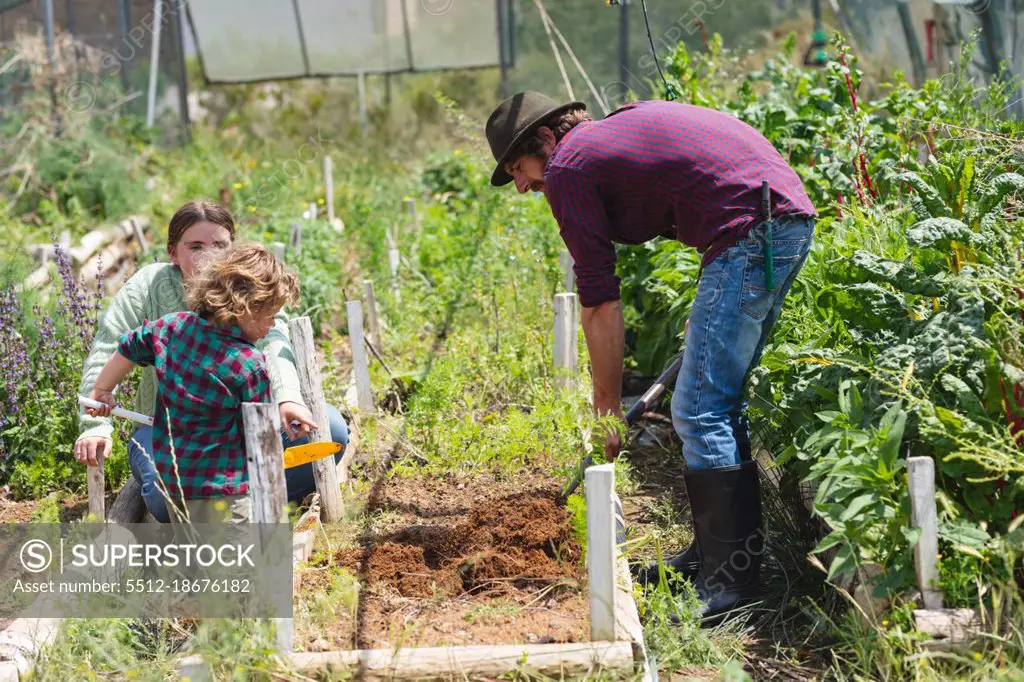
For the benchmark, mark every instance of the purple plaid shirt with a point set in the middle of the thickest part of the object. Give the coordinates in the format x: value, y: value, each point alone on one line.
x: 663, y: 169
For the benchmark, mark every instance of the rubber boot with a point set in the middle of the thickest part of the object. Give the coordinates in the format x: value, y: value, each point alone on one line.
x: 726, y: 507
x: 685, y: 565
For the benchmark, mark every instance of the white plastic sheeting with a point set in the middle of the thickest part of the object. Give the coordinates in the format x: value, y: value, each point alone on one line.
x: 257, y: 40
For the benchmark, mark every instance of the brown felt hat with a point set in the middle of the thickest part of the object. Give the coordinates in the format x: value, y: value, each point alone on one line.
x: 513, y: 120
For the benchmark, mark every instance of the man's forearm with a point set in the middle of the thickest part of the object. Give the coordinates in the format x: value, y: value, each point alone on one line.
x: 605, y: 332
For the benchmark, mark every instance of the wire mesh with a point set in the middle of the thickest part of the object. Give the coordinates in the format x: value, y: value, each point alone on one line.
x: 613, y: 45
x: 99, y: 61
x: 256, y: 40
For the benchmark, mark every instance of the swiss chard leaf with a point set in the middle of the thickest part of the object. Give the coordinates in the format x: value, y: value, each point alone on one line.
x: 938, y: 233
x: 929, y: 196
x: 901, y: 275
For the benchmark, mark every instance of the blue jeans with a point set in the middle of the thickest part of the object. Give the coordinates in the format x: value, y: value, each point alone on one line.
x: 298, y: 480
x: 730, y: 321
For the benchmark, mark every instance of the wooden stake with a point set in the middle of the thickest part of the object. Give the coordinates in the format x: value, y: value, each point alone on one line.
x: 627, y: 616
x: 566, y: 344
x: 921, y: 480
x: 394, y: 259
x: 414, y: 242
x: 265, y: 460
x: 410, y: 204
x: 568, y: 274
x: 261, y: 424
x: 312, y: 211
x: 601, y: 550
x: 576, y: 660
x: 278, y: 249
x: 950, y: 629
x: 139, y: 235
x: 329, y: 187
x: 295, y: 238
x: 360, y: 362
x: 97, y: 491
x: 325, y: 473
x: 371, y: 315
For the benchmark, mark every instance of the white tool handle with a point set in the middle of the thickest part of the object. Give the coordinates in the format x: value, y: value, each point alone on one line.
x: 118, y: 412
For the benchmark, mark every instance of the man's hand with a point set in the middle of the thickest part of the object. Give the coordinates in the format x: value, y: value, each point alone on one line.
x: 89, y: 450
x: 612, y: 441
x: 295, y: 412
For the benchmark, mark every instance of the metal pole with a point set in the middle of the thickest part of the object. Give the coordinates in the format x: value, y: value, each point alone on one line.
x: 916, y: 58
x: 361, y: 83
x: 123, y: 14
x: 503, y: 87
x: 990, y: 34
x: 1008, y: 17
x: 51, y: 57
x: 51, y: 51
x: 154, y: 62
x: 624, y: 43
x: 407, y: 34
x: 178, y: 40
x: 1011, y: 9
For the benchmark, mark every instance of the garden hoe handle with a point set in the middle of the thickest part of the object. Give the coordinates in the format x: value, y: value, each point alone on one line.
x: 117, y: 411
x: 654, y: 392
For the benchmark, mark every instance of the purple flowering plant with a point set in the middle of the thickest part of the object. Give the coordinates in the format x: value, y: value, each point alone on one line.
x: 43, y: 346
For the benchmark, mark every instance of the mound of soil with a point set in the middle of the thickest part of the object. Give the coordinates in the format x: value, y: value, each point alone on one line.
x: 451, y: 561
x: 522, y: 540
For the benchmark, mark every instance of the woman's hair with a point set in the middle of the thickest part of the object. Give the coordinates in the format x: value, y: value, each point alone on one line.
x: 196, y: 212
x: 243, y: 279
x: 560, y: 125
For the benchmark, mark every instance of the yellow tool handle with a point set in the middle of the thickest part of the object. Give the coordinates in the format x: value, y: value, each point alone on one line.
x: 311, y: 452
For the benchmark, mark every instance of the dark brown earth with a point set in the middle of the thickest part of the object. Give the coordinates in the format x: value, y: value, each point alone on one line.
x: 523, y: 540
x: 464, y: 561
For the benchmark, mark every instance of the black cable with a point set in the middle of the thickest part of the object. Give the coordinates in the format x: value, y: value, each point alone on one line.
x: 668, y: 90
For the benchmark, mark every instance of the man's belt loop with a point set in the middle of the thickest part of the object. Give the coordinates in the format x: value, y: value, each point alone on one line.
x: 769, y: 259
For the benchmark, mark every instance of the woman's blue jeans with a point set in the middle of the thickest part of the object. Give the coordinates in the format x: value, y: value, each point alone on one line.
x: 730, y: 321
x: 299, y: 480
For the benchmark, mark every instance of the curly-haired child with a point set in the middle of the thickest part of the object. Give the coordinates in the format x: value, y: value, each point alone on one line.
x: 207, y: 365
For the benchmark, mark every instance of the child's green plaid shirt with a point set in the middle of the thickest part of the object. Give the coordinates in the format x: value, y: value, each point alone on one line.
x: 204, y: 374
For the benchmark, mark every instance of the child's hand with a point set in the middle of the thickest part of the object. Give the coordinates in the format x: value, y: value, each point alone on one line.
x: 105, y: 397
x: 295, y: 412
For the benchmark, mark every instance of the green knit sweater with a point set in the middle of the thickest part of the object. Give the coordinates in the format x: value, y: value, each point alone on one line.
x: 154, y: 291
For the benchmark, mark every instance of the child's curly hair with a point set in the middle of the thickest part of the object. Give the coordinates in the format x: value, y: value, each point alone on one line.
x: 243, y: 279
